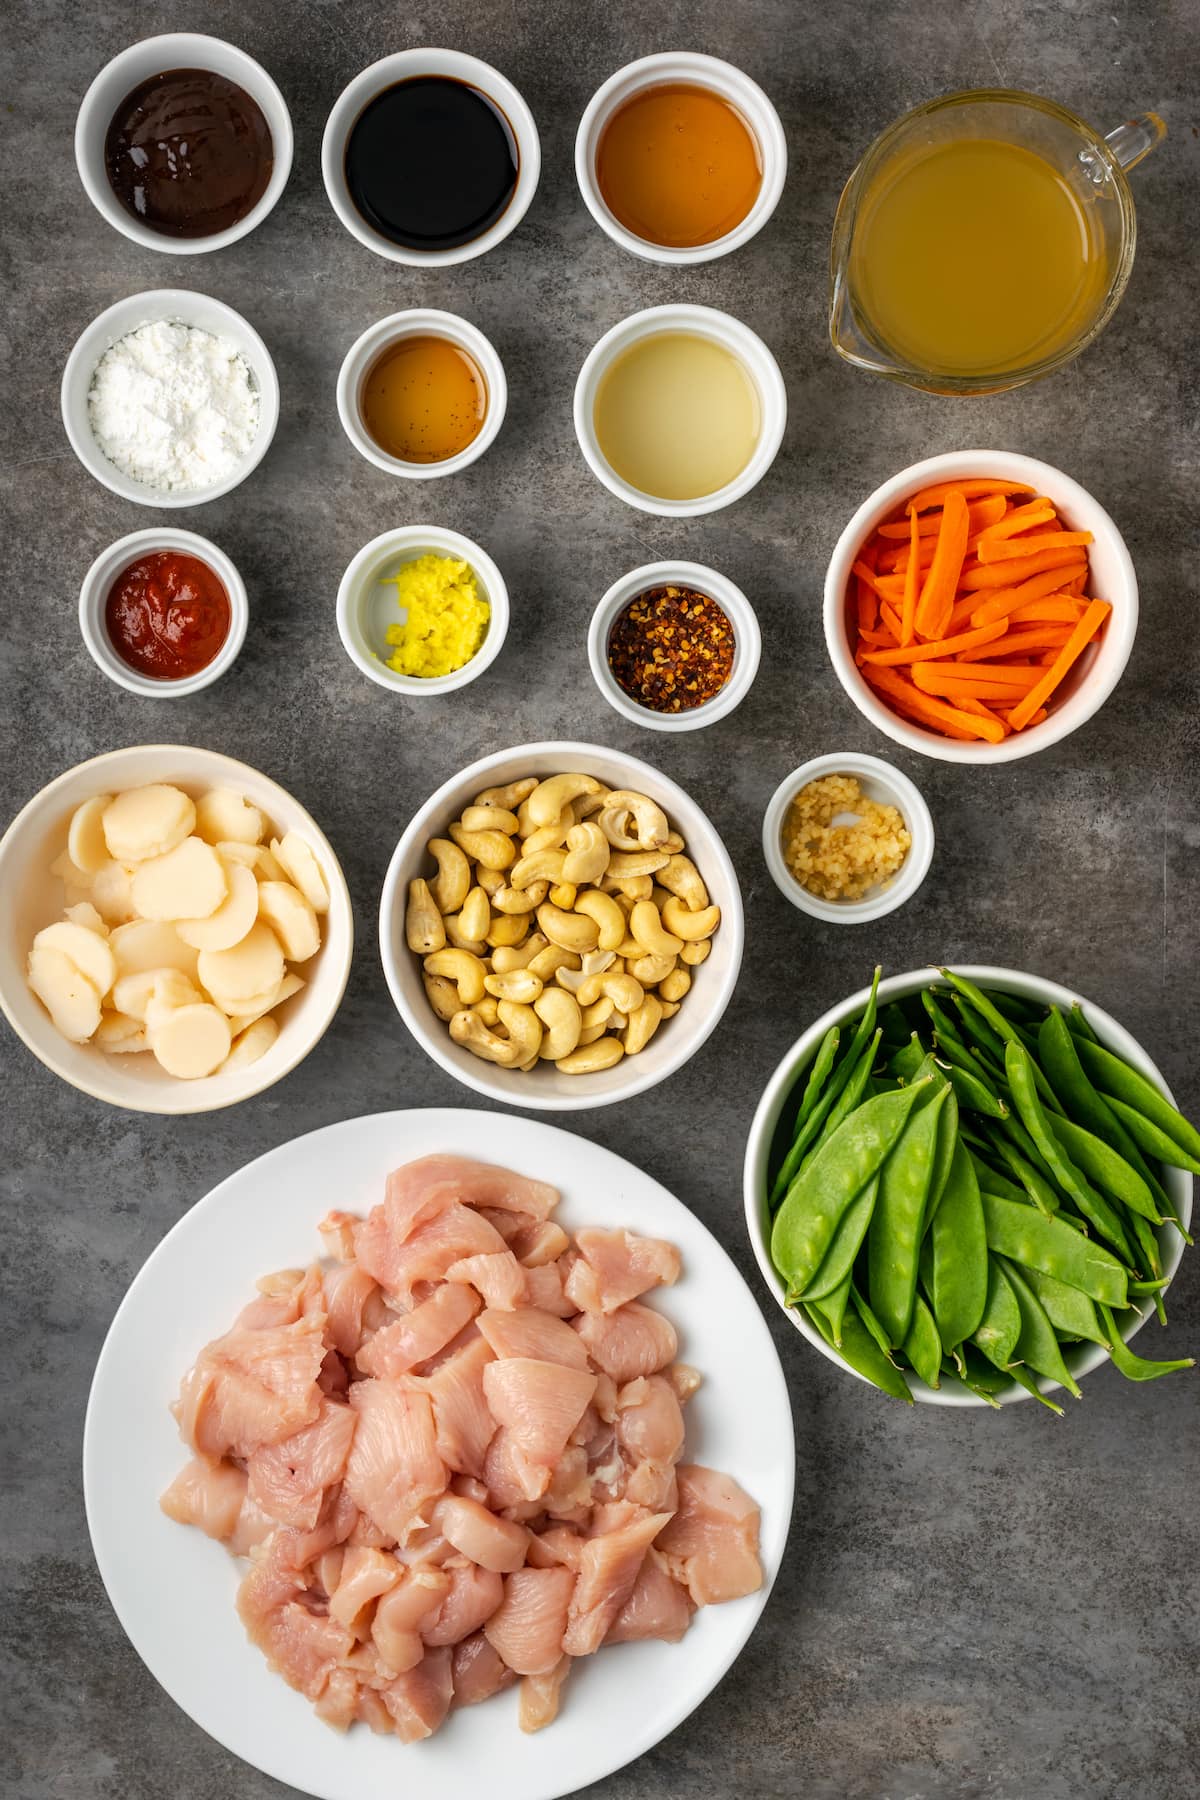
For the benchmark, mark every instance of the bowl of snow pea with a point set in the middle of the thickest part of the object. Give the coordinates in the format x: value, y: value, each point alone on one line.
x: 971, y: 1186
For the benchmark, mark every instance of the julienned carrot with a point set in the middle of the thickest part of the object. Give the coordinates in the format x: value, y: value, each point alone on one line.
x: 997, y: 575
x: 912, y: 579
x: 896, y: 685
x: 998, y: 550
x: 911, y: 704
x: 867, y: 606
x: 892, y: 620
x: 1076, y: 644
x: 974, y: 489
x: 1020, y: 643
x: 936, y: 601
x: 1006, y: 600
x: 940, y: 647
x: 975, y: 674
x: 1021, y: 518
x: 957, y: 692
x: 1054, y: 609
x: 982, y: 513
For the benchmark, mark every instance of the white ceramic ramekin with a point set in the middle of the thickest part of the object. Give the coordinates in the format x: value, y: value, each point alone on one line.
x: 419, y: 322
x: 98, y: 582
x: 733, y: 336
x: 879, y: 782
x: 698, y: 71
x: 154, y: 56
x: 365, y: 608
x: 747, y: 643
x: 403, y: 66
x: 185, y: 308
x: 781, y: 1089
x: 1112, y: 578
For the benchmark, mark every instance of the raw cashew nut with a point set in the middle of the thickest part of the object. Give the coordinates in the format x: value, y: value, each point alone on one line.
x: 647, y: 928
x: 475, y: 914
x: 587, y: 854
x: 549, y: 797
x: 524, y: 1029
x: 651, y: 826
x: 594, y: 963
x: 507, y: 930
x: 443, y: 996
x: 555, y: 833
x: 680, y: 876
x: 624, y: 991
x: 468, y: 1029
x: 423, y: 926
x: 488, y: 1009
x: 690, y: 926
x: 491, y: 848
x: 599, y: 1013
x: 626, y: 865
x: 550, y: 958
x: 453, y: 880
x: 520, y: 900
x: 514, y: 984
x: 465, y: 971
x: 589, y: 1059
x: 694, y: 954
x: 629, y: 947
x: 564, y: 895
x: 490, y: 880
x: 519, y: 956
x: 607, y: 916
x: 569, y: 930
x: 675, y: 985
x: 670, y: 1008
x: 510, y: 797
x: 489, y: 818
x: 541, y: 865
x: 642, y: 1025
x: 546, y: 837
x: 562, y: 1022
x: 460, y: 939
x: 650, y: 970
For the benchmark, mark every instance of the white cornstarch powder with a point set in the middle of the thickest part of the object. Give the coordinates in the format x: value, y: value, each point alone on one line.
x: 173, y: 406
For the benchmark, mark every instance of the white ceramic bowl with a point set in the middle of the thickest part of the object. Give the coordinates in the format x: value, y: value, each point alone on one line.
x: 879, y: 782
x: 403, y: 66
x: 186, y: 308
x: 733, y: 336
x: 746, y: 640
x: 545, y: 1089
x: 38, y: 835
x: 419, y: 322
x: 154, y: 56
x: 696, y: 70
x: 365, y: 608
x: 1112, y: 578
x: 1082, y: 1359
x: 95, y: 590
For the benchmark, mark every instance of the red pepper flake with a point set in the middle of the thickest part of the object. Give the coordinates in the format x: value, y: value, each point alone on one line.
x: 671, y: 649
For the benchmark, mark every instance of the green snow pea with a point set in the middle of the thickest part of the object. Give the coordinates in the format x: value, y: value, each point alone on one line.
x: 905, y: 1062
x: 1031, y: 1178
x: 1024, y: 1379
x: 1078, y: 1024
x: 997, y: 1332
x: 862, y: 1308
x: 1116, y: 1080
x: 1086, y: 1105
x: 958, y: 1259
x: 808, y: 1131
x: 1100, y: 1163
x: 973, y: 1091
x: 1000, y: 1027
x: 833, y: 1307
x: 818, y: 1075
x: 838, y: 1260
x: 849, y: 1097
x: 1037, y: 1346
x: 894, y: 1240
x: 1070, y: 1312
x: 1150, y: 1137
x: 861, y: 1353
x: 923, y: 1346
x: 943, y: 1154
x: 1136, y: 1368
x: 1025, y: 1236
x: 1019, y: 1067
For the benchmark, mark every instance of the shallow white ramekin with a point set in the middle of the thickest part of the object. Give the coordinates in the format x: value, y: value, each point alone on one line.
x: 364, y: 611
x: 1112, y: 578
x: 403, y: 66
x: 98, y: 582
x: 699, y: 71
x: 747, y: 643
x: 154, y: 56
x: 419, y: 322
x: 879, y: 782
x: 733, y: 336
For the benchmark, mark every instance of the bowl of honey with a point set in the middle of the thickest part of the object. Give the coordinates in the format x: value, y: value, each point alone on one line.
x: 680, y: 410
x: 422, y: 393
x: 680, y: 157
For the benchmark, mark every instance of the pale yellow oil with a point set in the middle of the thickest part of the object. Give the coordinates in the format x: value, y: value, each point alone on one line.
x: 677, y: 416
x: 974, y: 257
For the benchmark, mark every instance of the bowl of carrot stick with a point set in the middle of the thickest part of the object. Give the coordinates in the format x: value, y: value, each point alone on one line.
x: 980, y: 606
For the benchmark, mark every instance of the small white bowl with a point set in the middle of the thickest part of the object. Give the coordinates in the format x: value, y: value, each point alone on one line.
x: 696, y: 70
x: 546, y: 1089
x: 155, y: 56
x: 403, y: 66
x: 186, y: 308
x: 1112, y: 578
x: 781, y: 1089
x: 365, y: 608
x: 419, y: 322
x: 38, y: 835
x: 879, y: 782
x: 98, y: 582
x: 732, y: 335
x: 747, y: 643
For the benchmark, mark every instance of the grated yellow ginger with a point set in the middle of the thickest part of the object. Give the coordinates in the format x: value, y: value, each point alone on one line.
x: 446, y: 617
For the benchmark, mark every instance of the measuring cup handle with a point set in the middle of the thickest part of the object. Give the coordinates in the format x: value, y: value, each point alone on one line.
x: 1135, y: 139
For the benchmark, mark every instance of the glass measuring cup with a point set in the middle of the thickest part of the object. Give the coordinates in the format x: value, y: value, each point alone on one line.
x: 1086, y: 170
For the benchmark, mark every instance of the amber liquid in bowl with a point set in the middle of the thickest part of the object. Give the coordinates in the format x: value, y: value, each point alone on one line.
x: 424, y: 399
x: 678, y: 166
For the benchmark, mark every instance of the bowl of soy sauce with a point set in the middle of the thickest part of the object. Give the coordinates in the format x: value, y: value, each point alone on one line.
x: 430, y: 157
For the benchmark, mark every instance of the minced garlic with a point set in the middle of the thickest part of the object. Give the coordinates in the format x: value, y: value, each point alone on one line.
x: 842, y: 862
x: 446, y: 617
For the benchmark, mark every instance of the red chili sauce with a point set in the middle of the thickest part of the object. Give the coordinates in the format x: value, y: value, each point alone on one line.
x: 167, y: 615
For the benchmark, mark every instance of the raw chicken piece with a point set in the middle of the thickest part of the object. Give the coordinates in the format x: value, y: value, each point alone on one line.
x: 713, y: 1537
x: 685, y: 1380
x: 463, y: 1422
x: 630, y: 1342
x: 529, y: 1332
x: 336, y: 1232
x: 419, y: 1334
x: 570, y: 1485
x: 473, y: 1597
x: 282, y: 1298
x: 557, y: 1547
x: 334, y: 1379
x: 527, y: 1628
x: 372, y: 1712
x: 478, y: 1671
x: 478, y: 1534
x: 608, y: 1568
x: 540, y: 1402
x: 206, y: 1494
x: 396, y: 1627
x: 250, y: 1388
x: 658, y: 1607
x: 649, y: 1421
x: 363, y: 1576
x: 616, y: 1266
x: 540, y: 1695
x: 338, y: 1705
x: 540, y: 1243
x: 394, y: 1466
x: 499, y: 1278
x: 288, y: 1480
x: 442, y: 1179
x: 302, y: 1646
x: 514, y: 1486
x: 508, y: 1224
x: 652, y: 1485
x: 544, y: 1286
x: 347, y: 1290
x: 400, y: 1265
x: 420, y: 1699
x: 253, y: 1527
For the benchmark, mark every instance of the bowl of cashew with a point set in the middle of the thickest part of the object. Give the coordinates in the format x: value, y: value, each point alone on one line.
x: 561, y: 926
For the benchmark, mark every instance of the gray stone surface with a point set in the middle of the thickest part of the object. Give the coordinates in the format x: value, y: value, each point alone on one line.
x: 972, y: 1605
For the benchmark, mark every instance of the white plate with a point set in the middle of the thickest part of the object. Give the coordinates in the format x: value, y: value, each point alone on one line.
x: 173, y: 1589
